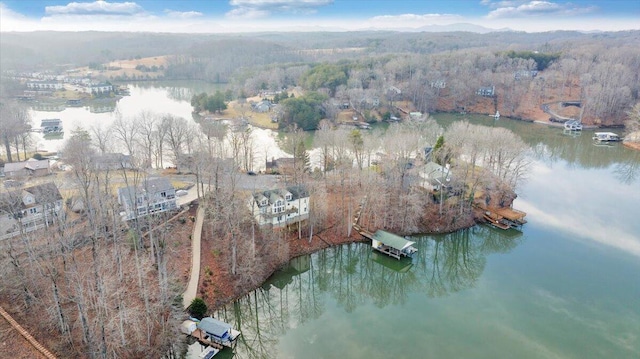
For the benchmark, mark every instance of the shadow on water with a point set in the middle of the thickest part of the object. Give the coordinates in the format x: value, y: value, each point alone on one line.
x: 344, y: 278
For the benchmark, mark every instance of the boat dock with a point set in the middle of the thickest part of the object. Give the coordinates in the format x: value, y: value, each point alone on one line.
x: 391, y: 244
x: 502, y: 217
x: 211, y: 332
x: 202, y: 338
x: 382, y: 241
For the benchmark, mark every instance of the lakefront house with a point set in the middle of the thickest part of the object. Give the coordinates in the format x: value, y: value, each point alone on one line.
x: 153, y: 195
x: 30, y: 208
x: 280, y: 207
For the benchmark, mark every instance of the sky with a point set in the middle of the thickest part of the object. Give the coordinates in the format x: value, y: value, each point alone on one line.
x: 233, y: 16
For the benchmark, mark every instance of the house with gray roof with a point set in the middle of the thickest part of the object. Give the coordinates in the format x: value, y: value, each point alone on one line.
x: 27, y: 168
x: 112, y: 161
x: 29, y: 208
x: 279, y: 207
x: 152, y: 195
x: 433, y: 175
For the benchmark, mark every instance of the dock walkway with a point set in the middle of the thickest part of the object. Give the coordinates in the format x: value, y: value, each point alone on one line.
x: 501, y: 217
x: 199, y: 334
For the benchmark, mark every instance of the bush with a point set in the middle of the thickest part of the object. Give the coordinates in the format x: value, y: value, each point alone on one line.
x: 198, y: 308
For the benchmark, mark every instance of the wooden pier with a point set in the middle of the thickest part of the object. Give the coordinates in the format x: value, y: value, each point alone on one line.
x: 201, y: 337
x: 501, y: 217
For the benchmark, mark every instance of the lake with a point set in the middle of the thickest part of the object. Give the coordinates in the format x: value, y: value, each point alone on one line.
x: 567, y: 286
x: 164, y: 97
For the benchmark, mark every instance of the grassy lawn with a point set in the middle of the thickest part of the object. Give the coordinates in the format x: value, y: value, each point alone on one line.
x: 262, y: 120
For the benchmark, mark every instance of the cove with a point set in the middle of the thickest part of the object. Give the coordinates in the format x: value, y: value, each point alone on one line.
x: 564, y: 287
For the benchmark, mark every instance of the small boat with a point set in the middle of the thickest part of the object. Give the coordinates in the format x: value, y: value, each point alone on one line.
x: 606, y: 137
x: 209, y: 353
x: 573, y: 125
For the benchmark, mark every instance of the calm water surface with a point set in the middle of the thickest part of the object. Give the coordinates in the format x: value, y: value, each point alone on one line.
x: 567, y: 286
x: 169, y: 97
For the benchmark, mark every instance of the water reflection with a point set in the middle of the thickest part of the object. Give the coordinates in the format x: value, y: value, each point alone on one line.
x: 627, y: 171
x: 353, y: 276
x: 103, y: 106
x: 182, y: 90
x: 552, y: 145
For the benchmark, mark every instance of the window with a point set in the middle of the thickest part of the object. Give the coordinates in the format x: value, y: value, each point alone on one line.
x: 279, y: 218
x: 163, y: 194
x: 33, y: 210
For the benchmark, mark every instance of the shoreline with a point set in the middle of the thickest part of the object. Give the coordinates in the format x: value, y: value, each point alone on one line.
x: 561, y: 125
x: 299, y: 247
x: 631, y: 145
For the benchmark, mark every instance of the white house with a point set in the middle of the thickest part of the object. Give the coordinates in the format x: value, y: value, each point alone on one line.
x: 153, y: 195
x: 486, y: 91
x: 32, y: 208
x: 45, y: 85
x: 280, y: 207
x: 98, y: 89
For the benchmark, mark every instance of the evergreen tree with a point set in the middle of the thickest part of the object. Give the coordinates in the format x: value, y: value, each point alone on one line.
x: 197, y: 308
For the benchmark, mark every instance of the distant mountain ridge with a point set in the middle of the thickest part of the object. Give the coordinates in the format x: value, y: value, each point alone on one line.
x: 465, y: 27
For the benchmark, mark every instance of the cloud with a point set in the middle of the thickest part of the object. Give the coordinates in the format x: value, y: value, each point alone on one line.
x: 95, y: 8
x: 504, y: 9
x: 6, y: 14
x: 14, y: 21
x: 247, y: 13
x: 182, y: 14
x: 252, y: 9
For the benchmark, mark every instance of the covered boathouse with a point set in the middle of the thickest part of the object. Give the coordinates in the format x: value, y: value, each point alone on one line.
x: 392, y: 245
x: 218, y: 331
x: 210, y: 331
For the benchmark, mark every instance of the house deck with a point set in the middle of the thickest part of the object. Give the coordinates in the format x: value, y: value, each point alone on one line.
x: 201, y: 336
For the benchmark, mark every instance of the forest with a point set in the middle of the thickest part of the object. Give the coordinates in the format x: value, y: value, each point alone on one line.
x: 436, y: 71
x: 95, y: 278
x: 96, y: 284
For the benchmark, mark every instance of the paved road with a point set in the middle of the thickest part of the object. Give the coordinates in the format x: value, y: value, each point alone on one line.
x: 194, y: 277
x: 245, y: 182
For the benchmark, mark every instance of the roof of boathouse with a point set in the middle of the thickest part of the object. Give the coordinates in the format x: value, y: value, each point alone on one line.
x: 392, y: 240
